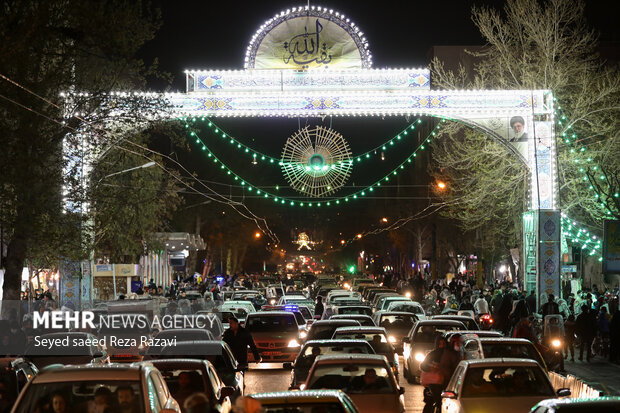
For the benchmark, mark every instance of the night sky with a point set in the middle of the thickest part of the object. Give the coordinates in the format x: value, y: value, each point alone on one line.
x: 214, y: 35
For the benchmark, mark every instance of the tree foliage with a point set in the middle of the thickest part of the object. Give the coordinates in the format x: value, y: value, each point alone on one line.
x: 534, y: 44
x: 49, y: 47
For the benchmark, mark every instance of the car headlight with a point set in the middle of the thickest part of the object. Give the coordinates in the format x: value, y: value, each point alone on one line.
x: 392, y: 339
x: 303, y: 335
x: 556, y: 343
x: 420, y: 357
x: 293, y: 343
x: 408, y: 294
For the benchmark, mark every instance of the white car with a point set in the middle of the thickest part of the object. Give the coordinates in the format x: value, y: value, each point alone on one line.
x: 139, y: 386
x: 409, y: 307
x: 504, y: 385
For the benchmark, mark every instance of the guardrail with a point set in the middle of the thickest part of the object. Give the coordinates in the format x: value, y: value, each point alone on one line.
x: 578, y: 388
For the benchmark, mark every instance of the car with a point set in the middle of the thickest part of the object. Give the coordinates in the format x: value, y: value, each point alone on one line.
x: 408, y: 307
x: 497, y: 385
x: 123, y: 334
x: 311, y: 349
x: 469, y: 322
x: 16, y: 373
x: 277, y: 335
x: 176, y: 335
x: 363, y: 319
x: 139, y: 385
x: 80, y: 348
x: 366, y: 378
x: 493, y: 347
x: 381, y: 296
x: 244, y: 295
x: 235, y: 305
x: 351, y: 309
x: 203, y: 319
x: 378, y: 339
x: 385, y: 301
x: 187, y: 376
x: 324, y: 329
x: 421, y: 341
x: 397, y: 324
x: 218, y: 353
x: 599, y: 405
x: 306, y: 401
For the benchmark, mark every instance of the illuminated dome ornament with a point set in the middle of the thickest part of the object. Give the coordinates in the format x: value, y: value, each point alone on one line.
x: 316, y: 162
x: 308, y: 37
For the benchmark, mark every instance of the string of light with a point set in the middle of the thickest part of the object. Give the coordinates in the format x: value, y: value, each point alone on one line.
x: 258, y: 156
x: 283, y: 200
x: 579, y: 235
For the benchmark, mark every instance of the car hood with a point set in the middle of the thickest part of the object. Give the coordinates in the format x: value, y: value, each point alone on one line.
x: 373, y: 403
x: 501, y: 404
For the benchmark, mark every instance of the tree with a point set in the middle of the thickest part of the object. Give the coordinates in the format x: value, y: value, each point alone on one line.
x: 535, y: 44
x: 49, y: 47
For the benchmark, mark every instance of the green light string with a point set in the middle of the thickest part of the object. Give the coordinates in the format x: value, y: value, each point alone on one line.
x: 328, y: 202
x: 259, y: 156
x: 581, y: 236
x: 569, y: 137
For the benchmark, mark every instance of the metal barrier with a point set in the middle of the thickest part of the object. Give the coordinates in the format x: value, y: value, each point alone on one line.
x: 578, y: 388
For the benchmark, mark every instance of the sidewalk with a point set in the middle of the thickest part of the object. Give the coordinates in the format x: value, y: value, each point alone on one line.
x: 599, y: 373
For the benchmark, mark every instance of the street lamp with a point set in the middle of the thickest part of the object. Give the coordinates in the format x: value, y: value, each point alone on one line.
x: 441, y: 185
x: 342, y: 241
x: 384, y: 220
x: 257, y: 235
x: 146, y: 165
x: 359, y: 236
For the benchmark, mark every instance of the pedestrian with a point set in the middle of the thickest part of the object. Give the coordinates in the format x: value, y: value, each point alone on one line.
x: 239, y: 339
x: 586, y: 330
x: 319, y: 308
x: 614, y: 337
x: 569, y: 337
x: 550, y: 307
x: 432, y: 377
x: 466, y: 304
x: 481, y: 305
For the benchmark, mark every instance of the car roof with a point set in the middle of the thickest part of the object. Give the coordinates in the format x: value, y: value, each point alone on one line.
x: 337, y: 342
x: 504, y: 340
x: 394, y: 313
x: 351, y: 358
x: 336, y: 317
x: 300, y: 396
x: 114, y: 371
x: 185, y: 362
x: 500, y: 361
x: 336, y: 322
x: 451, y: 317
x: 368, y: 329
x: 584, y: 402
x: 437, y: 321
x: 270, y: 313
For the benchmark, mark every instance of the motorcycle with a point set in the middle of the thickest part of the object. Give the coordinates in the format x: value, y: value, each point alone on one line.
x: 485, y: 321
x: 553, y: 341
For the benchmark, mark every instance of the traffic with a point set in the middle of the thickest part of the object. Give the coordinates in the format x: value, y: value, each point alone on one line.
x: 297, y: 343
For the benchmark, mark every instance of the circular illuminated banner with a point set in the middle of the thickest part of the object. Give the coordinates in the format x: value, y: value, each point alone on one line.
x: 308, y: 37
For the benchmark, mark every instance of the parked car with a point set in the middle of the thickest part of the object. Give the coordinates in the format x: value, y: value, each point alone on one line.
x: 185, y: 377
x: 16, y: 373
x: 139, y: 385
x: 218, y: 353
x: 497, y: 385
x: 377, y: 337
x: 596, y: 405
x: 306, y: 401
x: 363, y: 319
x: 397, y: 324
x: 81, y: 348
x: 469, y: 322
x: 311, y: 349
x: 421, y: 341
x: 366, y: 378
x: 324, y: 329
x: 494, y: 347
x: 277, y: 335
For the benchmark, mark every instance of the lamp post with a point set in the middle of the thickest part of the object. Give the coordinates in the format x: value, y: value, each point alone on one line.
x: 92, y: 251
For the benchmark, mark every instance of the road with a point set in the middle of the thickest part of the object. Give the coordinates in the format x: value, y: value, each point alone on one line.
x: 599, y: 374
x: 271, y: 377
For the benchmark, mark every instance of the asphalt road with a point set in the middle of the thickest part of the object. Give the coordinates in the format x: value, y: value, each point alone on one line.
x: 599, y: 373
x: 272, y: 377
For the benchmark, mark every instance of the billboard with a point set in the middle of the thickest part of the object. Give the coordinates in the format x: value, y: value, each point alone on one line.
x: 611, y: 247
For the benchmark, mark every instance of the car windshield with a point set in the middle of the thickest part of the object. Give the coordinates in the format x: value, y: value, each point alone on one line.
x: 397, y: 321
x: 184, y: 382
x: 427, y: 333
x: 514, y: 350
x: 265, y: 323
x: 306, y: 313
x: 355, y: 335
x: 309, y: 354
x: 322, y: 332
x: 294, y: 407
x: 237, y: 312
x: 83, y: 396
x: 408, y: 308
x: 355, y: 310
x: 357, y: 378
x: 506, y: 381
